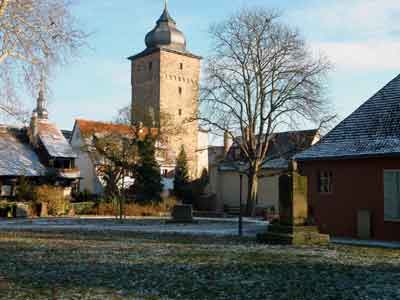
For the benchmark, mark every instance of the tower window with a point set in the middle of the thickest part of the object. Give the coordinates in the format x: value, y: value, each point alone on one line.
x: 180, y: 90
x: 181, y: 66
x: 180, y: 112
x: 150, y: 66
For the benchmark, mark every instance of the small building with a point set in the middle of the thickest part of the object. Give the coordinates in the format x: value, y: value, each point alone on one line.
x: 82, y: 139
x: 354, y: 171
x: 224, y: 175
x: 39, y: 153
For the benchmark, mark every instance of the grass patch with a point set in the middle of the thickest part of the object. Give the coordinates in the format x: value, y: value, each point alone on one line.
x: 104, y: 265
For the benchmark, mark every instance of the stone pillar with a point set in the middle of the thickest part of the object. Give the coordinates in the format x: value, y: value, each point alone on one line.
x: 293, y: 226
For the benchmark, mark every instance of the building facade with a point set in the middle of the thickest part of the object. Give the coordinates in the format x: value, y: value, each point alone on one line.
x: 88, y: 159
x: 353, y: 172
x: 165, y: 89
x: 224, y: 174
x: 38, y: 153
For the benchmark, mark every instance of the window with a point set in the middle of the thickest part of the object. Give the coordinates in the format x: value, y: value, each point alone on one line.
x: 180, y: 90
x: 325, y: 182
x: 181, y: 66
x: 391, y: 182
x: 6, y: 190
x: 150, y: 66
x: 180, y: 112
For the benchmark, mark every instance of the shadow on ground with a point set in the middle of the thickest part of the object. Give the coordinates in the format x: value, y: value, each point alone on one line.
x: 155, y: 266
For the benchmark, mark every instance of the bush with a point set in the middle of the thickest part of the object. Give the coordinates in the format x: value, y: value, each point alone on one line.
x: 8, y: 210
x: 137, y: 209
x: 53, y: 197
x: 84, y: 208
x: 25, y: 191
x: 84, y: 196
x: 35, y: 209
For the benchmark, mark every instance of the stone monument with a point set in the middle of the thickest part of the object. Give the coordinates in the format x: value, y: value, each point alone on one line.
x: 182, y: 213
x: 295, y: 226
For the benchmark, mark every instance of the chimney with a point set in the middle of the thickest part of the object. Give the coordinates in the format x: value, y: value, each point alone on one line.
x: 33, y: 129
x: 227, y: 142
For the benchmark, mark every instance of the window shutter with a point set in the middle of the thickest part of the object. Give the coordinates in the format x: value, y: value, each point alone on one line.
x: 391, y: 194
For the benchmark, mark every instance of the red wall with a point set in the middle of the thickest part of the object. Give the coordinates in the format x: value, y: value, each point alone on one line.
x: 357, y: 184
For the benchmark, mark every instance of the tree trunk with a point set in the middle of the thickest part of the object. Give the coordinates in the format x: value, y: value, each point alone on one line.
x: 252, y: 192
x: 3, y: 6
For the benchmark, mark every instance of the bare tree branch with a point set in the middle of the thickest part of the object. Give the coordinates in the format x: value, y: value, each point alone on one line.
x: 261, y: 75
x: 35, y: 35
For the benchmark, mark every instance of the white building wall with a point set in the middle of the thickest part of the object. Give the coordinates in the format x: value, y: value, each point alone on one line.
x: 202, y: 152
x: 90, y: 181
x: 229, y: 190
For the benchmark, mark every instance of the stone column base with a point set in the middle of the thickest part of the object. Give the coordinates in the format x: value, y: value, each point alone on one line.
x: 293, y: 235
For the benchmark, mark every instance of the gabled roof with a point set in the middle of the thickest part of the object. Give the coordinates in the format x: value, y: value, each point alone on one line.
x: 89, y: 128
x: 17, y: 157
x: 287, y: 144
x: 284, y: 145
x: 372, y: 130
x: 54, y: 141
x: 67, y: 134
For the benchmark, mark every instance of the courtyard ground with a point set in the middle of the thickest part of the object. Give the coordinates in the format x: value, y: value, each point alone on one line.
x: 201, y: 226
x: 70, y: 263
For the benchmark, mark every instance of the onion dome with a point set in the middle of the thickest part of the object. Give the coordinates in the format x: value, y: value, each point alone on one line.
x: 165, y: 34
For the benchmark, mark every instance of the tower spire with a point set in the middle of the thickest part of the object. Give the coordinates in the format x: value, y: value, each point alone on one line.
x: 41, y: 110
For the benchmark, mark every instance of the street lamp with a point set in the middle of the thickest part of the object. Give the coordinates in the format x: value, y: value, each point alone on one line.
x: 241, y: 169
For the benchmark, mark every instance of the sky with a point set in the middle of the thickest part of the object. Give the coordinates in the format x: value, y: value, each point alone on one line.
x: 360, y: 37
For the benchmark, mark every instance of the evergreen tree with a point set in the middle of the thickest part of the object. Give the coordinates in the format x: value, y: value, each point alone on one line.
x: 181, y: 179
x: 148, y: 184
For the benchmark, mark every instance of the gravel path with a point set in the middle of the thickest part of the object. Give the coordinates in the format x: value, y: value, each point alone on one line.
x: 202, y: 226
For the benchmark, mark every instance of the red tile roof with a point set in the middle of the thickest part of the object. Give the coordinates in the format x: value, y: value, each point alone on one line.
x: 89, y: 128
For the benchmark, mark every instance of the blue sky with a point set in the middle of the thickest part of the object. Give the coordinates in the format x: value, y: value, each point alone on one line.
x: 361, y: 38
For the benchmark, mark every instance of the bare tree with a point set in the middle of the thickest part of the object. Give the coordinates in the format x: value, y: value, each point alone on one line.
x: 166, y: 126
x: 35, y: 36
x: 261, y: 78
x: 115, y: 156
x: 124, y: 116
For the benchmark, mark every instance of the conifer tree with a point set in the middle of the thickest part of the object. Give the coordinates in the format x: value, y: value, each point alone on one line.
x: 148, y: 184
x: 181, y: 179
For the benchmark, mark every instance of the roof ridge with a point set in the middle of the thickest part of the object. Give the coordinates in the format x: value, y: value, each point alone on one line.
x: 372, y: 129
x: 396, y: 78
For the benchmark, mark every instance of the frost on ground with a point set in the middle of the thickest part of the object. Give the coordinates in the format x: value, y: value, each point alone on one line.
x: 125, y: 265
x: 202, y: 226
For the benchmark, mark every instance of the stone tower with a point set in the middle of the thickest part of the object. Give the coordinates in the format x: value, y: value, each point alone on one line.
x: 165, y: 88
